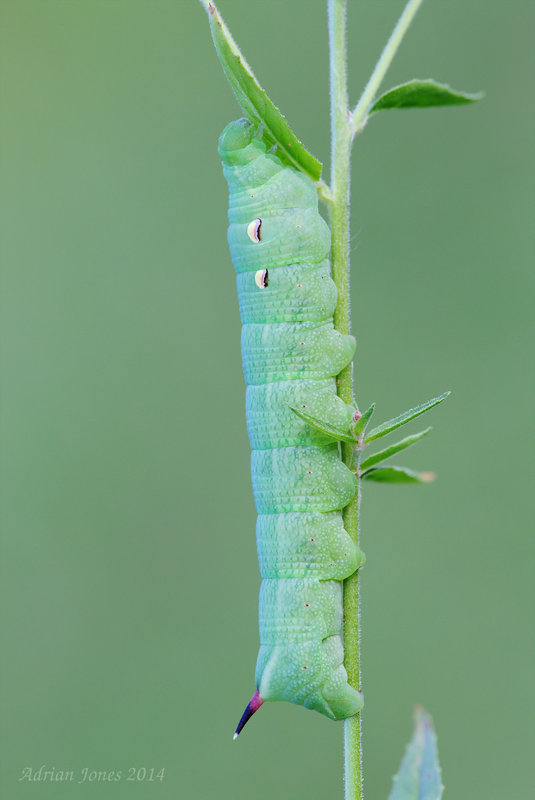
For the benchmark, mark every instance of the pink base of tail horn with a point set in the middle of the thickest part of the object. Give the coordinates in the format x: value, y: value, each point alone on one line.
x: 253, y: 705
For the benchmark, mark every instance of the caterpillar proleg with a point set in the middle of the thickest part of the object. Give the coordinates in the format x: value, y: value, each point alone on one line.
x: 291, y: 354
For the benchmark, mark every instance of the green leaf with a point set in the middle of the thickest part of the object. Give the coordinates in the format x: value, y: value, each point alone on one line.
x: 255, y: 103
x: 382, y: 455
x: 419, y: 775
x: 324, y: 427
x: 391, y: 424
x: 362, y: 423
x: 422, y: 94
x: 396, y: 475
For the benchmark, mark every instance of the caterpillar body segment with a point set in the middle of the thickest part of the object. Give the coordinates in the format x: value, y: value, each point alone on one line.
x: 291, y: 355
x: 272, y: 423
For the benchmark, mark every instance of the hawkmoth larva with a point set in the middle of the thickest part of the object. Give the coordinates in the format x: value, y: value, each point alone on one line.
x: 291, y: 354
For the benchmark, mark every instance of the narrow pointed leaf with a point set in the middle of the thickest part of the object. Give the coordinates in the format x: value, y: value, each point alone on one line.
x: 362, y: 423
x: 422, y: 94
x: 255, y: 103
x: 391, y: 424
x: 396, y: 475
x: 419, y: 775
x: 382, y: 455
x: 324, y: 427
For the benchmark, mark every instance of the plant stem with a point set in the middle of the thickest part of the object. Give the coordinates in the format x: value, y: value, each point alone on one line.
x: 361, y: 109
x: 344, y: 126
x: 339, y: 217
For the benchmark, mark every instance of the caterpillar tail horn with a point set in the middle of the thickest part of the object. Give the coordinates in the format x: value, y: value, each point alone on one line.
x: 253, y: 705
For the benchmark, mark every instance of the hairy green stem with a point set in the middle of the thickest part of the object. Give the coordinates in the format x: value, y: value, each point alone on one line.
x: 344, y: 126
x: 339, y: 218
x: 340, y: 160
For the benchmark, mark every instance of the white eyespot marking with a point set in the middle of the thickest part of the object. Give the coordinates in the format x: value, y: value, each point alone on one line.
x: 253, y: 230
x: 261, y: 278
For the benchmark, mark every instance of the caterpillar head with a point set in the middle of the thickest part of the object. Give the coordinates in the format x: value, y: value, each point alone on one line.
x: 239, y: 144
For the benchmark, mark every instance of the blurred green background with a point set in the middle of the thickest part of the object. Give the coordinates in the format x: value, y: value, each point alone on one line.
x: 129, y: 588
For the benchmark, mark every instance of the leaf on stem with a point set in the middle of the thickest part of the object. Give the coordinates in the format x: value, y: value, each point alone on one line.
x: 396, y: 475
x: 382, y: 455
x: 419, y: 777
x: 254, y: 101
x: 362, y: 423
x: 422, y: 94
x: 324, y: 427
x: 391, y: 424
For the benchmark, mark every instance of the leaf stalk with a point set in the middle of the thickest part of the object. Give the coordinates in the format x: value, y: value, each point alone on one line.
x: 359, y: 114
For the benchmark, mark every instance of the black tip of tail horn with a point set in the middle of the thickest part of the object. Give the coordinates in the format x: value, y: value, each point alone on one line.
x: 253, y: 705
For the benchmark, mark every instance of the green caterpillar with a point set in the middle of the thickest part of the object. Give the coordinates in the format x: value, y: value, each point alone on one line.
x: 291, y: 355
